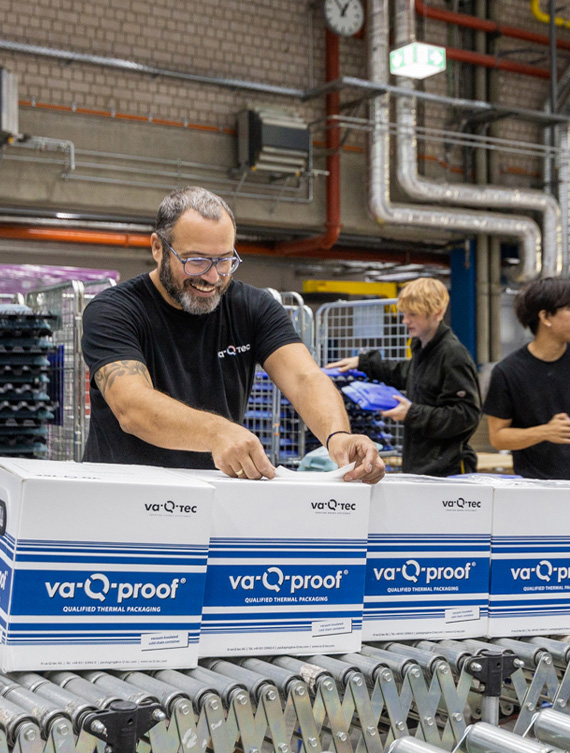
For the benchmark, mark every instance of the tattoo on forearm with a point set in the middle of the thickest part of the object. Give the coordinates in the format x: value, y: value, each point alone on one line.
x: 106, y: 375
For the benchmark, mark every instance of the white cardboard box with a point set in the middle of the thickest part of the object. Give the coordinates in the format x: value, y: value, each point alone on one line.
x: 530, y: 558
x: 100, y: 565
x: 286, y: 566
x: 427, y: 573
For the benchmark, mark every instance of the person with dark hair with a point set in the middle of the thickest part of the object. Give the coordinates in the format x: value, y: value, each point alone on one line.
x: 528, y: 402
x: 172, y: 356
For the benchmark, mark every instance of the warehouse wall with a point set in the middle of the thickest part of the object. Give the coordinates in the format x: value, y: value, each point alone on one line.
x: 137, y: 136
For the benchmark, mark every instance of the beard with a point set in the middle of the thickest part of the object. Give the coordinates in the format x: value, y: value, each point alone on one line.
x: 183, y: 293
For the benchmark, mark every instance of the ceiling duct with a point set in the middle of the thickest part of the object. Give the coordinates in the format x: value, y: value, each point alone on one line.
x: 274, y: 142
x: 8, y: 106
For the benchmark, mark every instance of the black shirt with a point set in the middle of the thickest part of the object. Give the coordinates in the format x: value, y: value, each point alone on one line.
x: 441, y: 381
x: 530, y: 391
x: 206, y: 361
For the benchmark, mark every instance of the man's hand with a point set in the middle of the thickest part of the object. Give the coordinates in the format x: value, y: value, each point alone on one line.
x: 344, y: 364
x: 558, y: 429
x: 400, y: 412
x: 345, y: 448
x: 239, y: 454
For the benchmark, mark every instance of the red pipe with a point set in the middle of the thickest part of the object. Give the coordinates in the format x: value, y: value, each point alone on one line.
x: 142, y: 240
x: 472, y: 22
x: 489, y: 61
x: 332, y: 225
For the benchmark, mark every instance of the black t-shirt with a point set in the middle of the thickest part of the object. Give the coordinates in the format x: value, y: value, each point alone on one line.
x: 530, y: 391
x: 206, y: 361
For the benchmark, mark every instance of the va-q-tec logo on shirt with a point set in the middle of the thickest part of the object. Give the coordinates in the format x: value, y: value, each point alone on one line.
x: 461, y: 504
x: 234, y: 350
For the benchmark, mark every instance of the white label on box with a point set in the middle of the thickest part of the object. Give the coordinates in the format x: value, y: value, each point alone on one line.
x: 332, y: 627
x: 462, y: 614
x: 155, y: 641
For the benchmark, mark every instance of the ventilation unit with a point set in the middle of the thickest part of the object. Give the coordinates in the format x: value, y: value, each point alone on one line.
x: 274, y: 142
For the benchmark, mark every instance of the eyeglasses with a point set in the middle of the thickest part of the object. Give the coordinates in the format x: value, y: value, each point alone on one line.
x: 199, y: 265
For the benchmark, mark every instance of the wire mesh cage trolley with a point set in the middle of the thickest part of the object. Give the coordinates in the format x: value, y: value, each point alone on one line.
x: 348, y: 328
x: 69, y: 377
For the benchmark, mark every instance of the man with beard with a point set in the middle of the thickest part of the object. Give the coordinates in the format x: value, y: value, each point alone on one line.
x: 172, y: 356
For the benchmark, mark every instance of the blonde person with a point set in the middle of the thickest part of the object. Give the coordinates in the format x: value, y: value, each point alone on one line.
x: 442, y: 406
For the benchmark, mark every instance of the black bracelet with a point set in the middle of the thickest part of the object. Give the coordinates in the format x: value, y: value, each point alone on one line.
x: 340, y: 431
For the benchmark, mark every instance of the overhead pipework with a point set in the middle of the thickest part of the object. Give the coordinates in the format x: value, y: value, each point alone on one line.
x: 523, y: 229
x: 482, y: 196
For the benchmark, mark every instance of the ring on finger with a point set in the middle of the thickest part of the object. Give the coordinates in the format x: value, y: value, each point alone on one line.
x: 240, y: 472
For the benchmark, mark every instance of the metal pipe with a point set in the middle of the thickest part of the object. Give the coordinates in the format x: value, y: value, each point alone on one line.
x: 491, y: 27
x: 422, y: 189
x: 132, y: 67
x: 383, y: 210
x: 332, y: 224
x: 426, y: 659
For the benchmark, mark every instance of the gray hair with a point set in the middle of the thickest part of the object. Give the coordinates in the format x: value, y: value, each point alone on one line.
x: 204, y: 202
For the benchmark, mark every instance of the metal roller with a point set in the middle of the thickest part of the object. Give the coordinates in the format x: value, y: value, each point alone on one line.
x: 483, y: 738
x: 279, y: 676
x: 553, y: 728
x: 339, y: 669
x: 559, y: 650
x: 14, y: 718
x: 224, y: 686
x: 197, y: 691
x: 166, y: 694
x: 45, y: 713
x: 367, y: 665
x: 253, y: 681
x: 528, y: 652
x: 400, y: 665
x: 82, y: 687
x: 478, y: 647
x: 412, y: 745
x: 311, y: 674
x: 455, y: 655
x: 73, y: 705
x: 426, y: 659
x: 119, y: 687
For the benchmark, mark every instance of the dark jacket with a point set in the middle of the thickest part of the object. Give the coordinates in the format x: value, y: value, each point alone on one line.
x: 441, y: 382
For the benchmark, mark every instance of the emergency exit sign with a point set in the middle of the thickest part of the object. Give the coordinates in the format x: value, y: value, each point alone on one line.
x: 417, y: 60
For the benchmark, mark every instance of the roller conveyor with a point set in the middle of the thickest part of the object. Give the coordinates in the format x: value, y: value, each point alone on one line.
x: 505, y: 695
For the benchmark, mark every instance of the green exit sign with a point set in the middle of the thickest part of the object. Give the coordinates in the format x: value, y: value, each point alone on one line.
x: 417, y: 60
